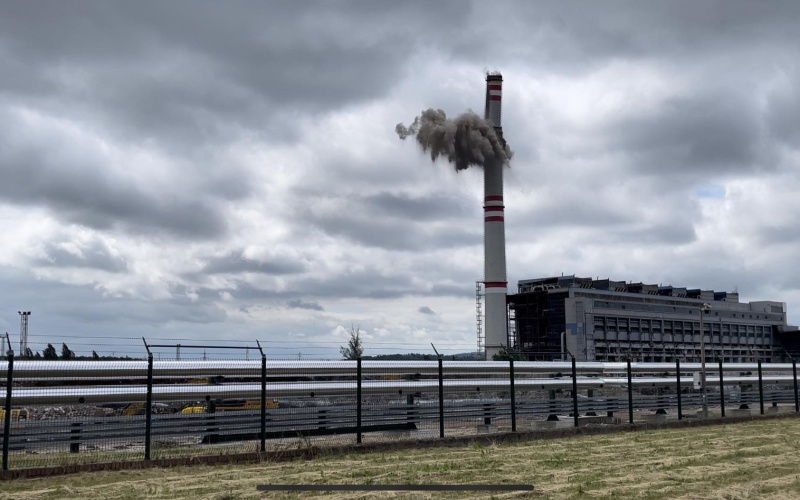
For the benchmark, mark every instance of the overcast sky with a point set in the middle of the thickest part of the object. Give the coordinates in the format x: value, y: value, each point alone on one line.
x: 228, y: 171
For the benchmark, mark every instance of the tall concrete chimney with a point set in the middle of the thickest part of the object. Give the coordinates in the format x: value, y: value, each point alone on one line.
x: 494, y: 232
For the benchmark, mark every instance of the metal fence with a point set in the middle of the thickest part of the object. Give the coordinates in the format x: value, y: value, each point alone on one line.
x: 69, y: 412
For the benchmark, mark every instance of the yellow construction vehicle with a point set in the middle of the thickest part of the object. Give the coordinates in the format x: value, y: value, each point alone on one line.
x: 134, y: 409
x: 229, y: 405
x: 17, y: 414
x: 139, y: 409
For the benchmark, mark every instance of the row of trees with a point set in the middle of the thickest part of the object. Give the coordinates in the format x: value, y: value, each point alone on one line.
x: 353, y: 350
x: 50, y: 353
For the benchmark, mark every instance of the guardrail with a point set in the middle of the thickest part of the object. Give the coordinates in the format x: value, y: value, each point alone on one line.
x: 83, y: 410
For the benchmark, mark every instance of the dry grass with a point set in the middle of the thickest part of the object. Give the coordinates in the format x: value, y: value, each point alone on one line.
x: 757, y: 459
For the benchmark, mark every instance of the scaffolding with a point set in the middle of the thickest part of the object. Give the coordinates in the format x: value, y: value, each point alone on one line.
x: 479, y: 315
x: 511, y: 314
x: 23, y: 332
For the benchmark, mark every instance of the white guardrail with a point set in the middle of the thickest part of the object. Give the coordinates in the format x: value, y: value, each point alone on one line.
x: 124, y: 381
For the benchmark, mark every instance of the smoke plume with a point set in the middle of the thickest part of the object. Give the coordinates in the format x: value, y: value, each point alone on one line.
x: 465, y: 140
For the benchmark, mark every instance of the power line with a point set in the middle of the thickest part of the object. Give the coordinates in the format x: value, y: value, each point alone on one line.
x: 327, y: 342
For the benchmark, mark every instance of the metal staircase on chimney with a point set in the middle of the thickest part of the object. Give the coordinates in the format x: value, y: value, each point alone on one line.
x: 479, y: 315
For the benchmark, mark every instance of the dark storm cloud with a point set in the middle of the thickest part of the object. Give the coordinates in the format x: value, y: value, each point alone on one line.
x: 673, y: 233
x: 430, y: 207
x: 588, y: 212
x: 695, y: 135
x: 426, y: 311
x: 42, y: 168
x: 394, y: 221
x: 783, y: 108
x: 300, y: 304
x: 67, y: 309
x: 571, y: 38
x: 713, y: 58
x: 227, y: 102
x: 235, y: 262
x: 95, y: 255
x: 372, y: 282
x: 393, y: 234
x: 183, y: 79
x: 179, y: 71
x: 176, y: 310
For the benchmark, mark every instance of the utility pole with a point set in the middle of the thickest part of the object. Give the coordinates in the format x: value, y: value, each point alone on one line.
x: 703, y: 394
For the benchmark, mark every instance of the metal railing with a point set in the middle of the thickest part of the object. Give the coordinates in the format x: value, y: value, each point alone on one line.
x: 59, y: 412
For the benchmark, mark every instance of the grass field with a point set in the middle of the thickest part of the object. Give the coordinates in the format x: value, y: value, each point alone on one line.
x: 757, y: 459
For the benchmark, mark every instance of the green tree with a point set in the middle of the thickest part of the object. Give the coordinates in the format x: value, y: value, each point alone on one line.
x: 66, y: 352
x: 354, y: 348
x: 49, y: 352
x: 507, y: 354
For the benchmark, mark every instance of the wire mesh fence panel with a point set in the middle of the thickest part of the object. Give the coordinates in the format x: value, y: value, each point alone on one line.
x: 69, y: 412
x: 399, y: 400
x: 543, y: 393
x: 601, y: 406
x: 775, y: 399
x: 202, y: 408
x: 475, y: 401
x: 535, y: 406
x: 654, y: 405
x: 316, y: 404
x: 749, y: 396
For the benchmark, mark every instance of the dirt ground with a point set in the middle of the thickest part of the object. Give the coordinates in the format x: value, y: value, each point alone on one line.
x: 757, y: 459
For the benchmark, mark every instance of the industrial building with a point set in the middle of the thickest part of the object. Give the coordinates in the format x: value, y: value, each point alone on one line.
x: 604, y: 320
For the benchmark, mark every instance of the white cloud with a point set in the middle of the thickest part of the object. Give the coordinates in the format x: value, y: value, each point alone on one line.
x: 163, y: 179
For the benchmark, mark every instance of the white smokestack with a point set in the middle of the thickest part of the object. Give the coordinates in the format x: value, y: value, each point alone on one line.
x: 471, y: 140
x: 494, y: 232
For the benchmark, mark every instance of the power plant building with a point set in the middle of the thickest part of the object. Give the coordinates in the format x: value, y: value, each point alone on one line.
x: 604, y: 320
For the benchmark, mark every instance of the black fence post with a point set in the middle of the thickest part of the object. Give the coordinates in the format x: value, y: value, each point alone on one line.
x: 760, y: 388
x: 487, y: 414
x: 630, y: 394
x: 263, y: 402
x: 441, y: 399
x: 358, y: 400
x: 148, y: 410
x: 75, y: 437
x: 513, y: 396
x: 574, y: 393
x: 796, y: 399
x: 678, y: 388
x: 552, y: 407
x: 412, y: 415
x: 721, y: 391
x: 7, y: 419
